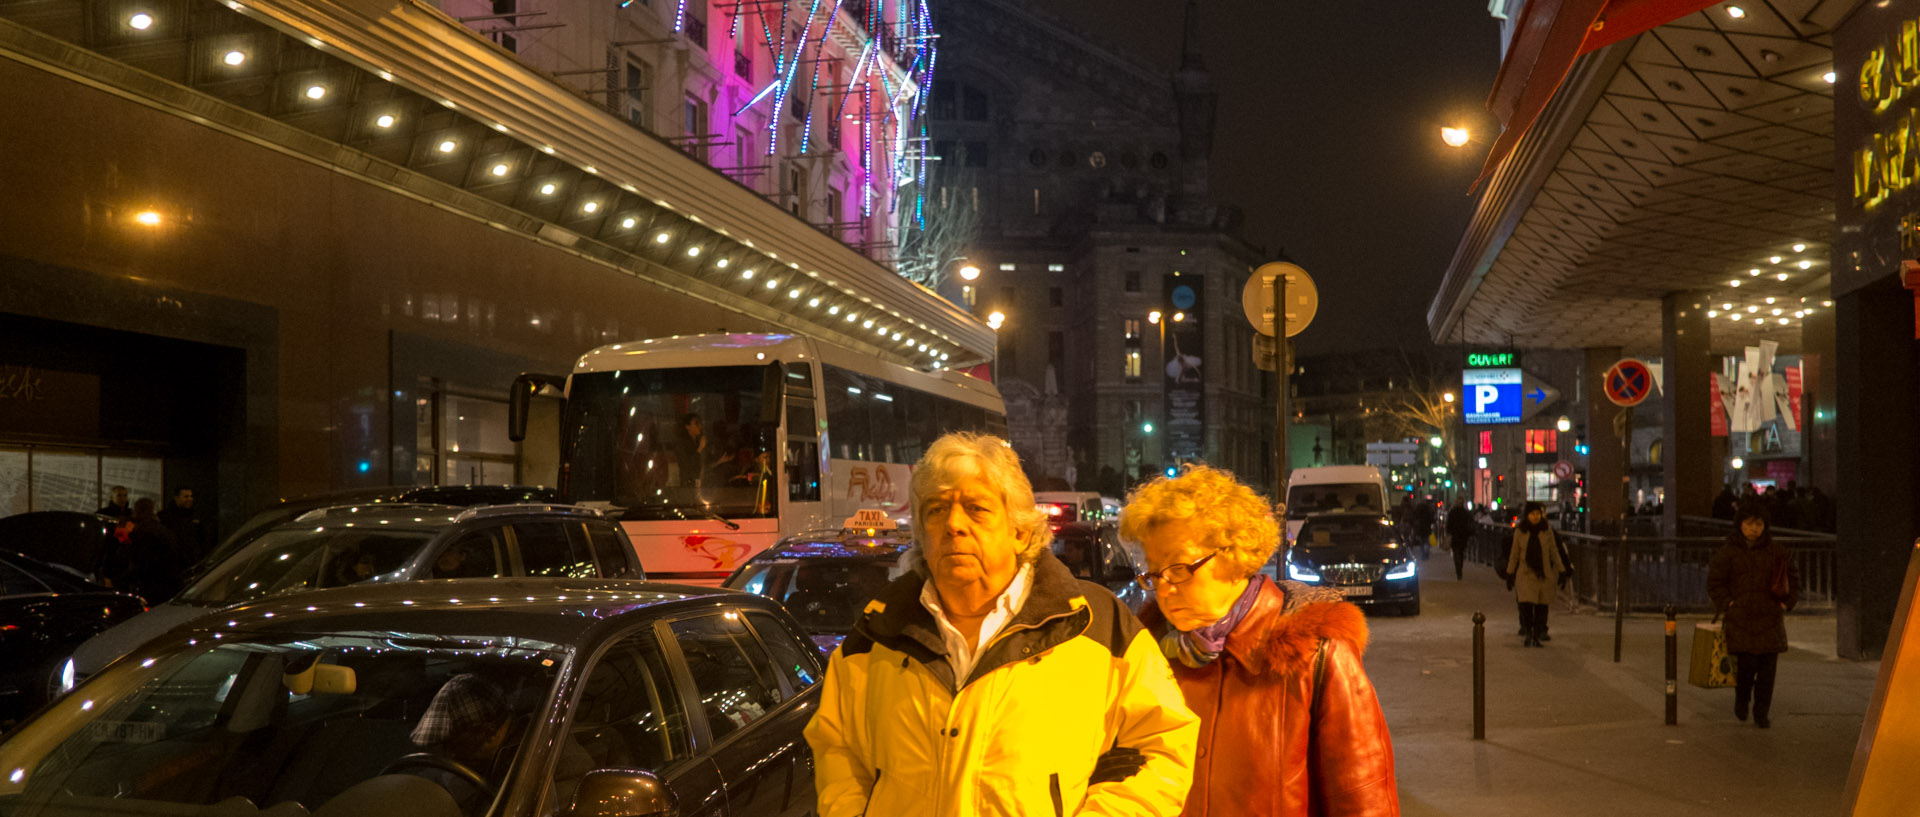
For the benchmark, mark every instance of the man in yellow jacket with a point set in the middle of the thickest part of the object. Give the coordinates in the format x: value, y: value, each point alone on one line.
x: 989, y: 681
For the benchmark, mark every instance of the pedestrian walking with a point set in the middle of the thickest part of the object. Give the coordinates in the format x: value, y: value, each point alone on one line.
x: 1290, y: 724
x: 1460, y: 528
x: 1753, y: 583
x: 1423, y: 519
x: 988, y: 680
x: 1535, y: 568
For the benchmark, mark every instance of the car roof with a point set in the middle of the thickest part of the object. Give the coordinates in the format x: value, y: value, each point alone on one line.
x: 835, y: 544
x: 558, y: 611
x: 394, y: 516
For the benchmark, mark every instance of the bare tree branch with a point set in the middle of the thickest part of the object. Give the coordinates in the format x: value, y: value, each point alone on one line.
x: 948, y: 223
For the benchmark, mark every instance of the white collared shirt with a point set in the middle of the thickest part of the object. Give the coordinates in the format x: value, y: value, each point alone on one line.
x: 1009, y: 603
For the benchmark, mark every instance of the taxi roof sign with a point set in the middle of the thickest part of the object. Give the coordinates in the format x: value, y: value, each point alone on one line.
x: 870, y: 519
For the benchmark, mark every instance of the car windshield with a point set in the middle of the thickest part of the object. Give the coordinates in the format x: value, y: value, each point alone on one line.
x: 295, y: 560
x: 826, y: 595
x: 1354, y: 532
x: 663, y: 444
x: 263, y: 722
x: 1348, y: 496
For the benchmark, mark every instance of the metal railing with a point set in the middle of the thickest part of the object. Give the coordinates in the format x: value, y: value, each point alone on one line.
x: 1662, y: 570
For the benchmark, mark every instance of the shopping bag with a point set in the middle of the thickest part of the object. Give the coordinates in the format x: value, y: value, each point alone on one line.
x: 1711, y: 665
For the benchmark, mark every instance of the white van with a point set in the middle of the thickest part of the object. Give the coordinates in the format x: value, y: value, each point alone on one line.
x: 1344, y: 488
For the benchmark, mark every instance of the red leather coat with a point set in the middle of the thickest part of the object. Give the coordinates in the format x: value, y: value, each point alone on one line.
x: 1260, y: 751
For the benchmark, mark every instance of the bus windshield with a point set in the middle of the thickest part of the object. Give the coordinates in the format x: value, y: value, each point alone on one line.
x: 665, y: 444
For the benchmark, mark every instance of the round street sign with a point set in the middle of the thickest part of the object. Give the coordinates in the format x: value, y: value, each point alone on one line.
x: 1303, y: 299
x: 1562, y: 471
x: 1628, y: 383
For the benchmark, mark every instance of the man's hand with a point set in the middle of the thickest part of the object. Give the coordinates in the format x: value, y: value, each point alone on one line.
x: 1119, y: 763
x: 1509, y: 582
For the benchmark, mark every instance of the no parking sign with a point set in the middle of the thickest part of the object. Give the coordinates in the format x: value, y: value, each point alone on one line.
x: 1628, y: 383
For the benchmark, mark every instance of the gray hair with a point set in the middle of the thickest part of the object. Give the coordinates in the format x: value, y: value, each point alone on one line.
x: 999, y: 466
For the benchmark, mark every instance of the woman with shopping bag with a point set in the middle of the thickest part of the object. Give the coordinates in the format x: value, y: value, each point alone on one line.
x: 1753, y: 584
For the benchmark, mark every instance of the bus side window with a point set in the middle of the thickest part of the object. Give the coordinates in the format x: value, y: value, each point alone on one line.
x: 803, y: 471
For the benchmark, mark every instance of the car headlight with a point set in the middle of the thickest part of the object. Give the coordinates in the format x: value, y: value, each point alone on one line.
x: 66, y: 677
x: 1404, y: 571
x: 1301, y: 574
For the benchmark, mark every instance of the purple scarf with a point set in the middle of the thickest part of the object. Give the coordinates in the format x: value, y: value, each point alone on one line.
x: 1197, y: 648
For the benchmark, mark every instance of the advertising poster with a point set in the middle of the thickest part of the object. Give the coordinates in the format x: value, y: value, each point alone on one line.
x: 1185, y: 408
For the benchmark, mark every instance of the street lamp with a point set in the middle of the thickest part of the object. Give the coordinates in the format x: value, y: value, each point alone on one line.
x: 1739, y: 463
x: 1565, y: 425
x: 1435, y: 440
x: 1454, y: 137
x: 969, y: 272
x: 996, y: 318
x: 1447, y: 397
x: 1154, y: 316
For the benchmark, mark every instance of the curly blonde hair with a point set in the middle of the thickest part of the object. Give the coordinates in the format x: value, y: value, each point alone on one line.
x: 1234, y: 521
x: 998, y: 466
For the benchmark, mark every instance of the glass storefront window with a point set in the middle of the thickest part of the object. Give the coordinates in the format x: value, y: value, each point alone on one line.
x: 35, y: 478
x: 14, y: 488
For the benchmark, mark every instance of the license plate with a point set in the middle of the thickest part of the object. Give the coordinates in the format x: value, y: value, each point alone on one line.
x: 1357, y: 590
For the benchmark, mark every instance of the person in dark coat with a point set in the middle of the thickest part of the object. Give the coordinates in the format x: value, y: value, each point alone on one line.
x: 117, y: 509
x: 152, y: 566
x: 1753, y: 583
x: 191, y: 539
x: 1534, y: 567
x: 1723, y: 505
x: 1460, y: 527
x: 1423, y: 519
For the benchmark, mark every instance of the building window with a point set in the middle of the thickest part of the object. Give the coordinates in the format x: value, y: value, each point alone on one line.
x: 696, y: 23
x: 1056, y: 268
x: 1133, y: 364
x: 1133, y: 280
x: 1540, y: 483
x: 1009, y: 267
x: 1486, y: 442
x: 742, y: 66
x: 797, y: 190
x: 1132, y: 327
x: 1542, y: 441
x: 1056, y: 296
x: 636, y: 91
x: 973, y: 106
x: 943, y: 103
x: 695, y: 124
x: 833, y: 209
x: 976, y: 154
x: 1057, y: 353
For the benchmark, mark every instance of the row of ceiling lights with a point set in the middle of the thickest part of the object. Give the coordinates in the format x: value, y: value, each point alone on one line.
x: 935, y: 357
x: 1736, y: 12
x: 1776, y: 260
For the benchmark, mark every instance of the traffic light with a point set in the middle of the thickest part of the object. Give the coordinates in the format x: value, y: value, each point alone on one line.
x: 1146, y: 427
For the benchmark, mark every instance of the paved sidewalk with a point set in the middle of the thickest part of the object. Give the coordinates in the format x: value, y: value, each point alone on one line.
x: 1571, y: 733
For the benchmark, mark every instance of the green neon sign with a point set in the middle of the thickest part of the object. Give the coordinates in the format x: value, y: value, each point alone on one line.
x: 1492, y: 360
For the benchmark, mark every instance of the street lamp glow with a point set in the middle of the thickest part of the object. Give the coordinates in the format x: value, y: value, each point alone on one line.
x: 1435, y: 440
x: 1146, y: 428
x: 995, y: 319
x: 969, y: 272
x: 1154, y: 316
x: 1739, y: 463
x: 1179, y: 316
x: 148, y: 218
x: 1447, y: 397
x: 1454, y: 137
x: 1564, y: 424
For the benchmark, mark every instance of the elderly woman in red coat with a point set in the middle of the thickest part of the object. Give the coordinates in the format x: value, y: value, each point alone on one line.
x: 1289, y: 722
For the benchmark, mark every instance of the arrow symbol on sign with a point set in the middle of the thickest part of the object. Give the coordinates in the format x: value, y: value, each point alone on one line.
x: 1536, y: 395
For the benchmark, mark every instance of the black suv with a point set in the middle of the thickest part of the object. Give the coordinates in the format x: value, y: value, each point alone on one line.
x: 387, y: 542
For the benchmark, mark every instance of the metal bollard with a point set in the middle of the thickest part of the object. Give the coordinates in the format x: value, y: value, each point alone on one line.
x: 1479, y: 676
x: 1673, y: 670
x: 1621, y: 570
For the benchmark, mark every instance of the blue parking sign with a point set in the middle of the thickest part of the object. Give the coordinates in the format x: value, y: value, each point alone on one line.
x: 1491, y: 396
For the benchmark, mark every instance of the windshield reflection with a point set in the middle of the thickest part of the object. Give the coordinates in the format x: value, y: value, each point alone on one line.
x: 673, y: 444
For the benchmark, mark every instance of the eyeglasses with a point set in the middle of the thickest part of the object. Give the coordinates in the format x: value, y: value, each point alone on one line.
x: 1172, y: 574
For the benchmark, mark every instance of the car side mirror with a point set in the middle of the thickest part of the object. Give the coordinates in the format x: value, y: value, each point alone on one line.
x: 623, y: 793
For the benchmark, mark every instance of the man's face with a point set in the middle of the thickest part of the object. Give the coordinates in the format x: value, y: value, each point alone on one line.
x: 970, y: 538
x: 184, y: 498
x: 119, y: 496
x: 693, y: 427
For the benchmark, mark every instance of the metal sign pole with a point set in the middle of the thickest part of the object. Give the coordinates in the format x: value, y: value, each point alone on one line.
x: 1282, y: 372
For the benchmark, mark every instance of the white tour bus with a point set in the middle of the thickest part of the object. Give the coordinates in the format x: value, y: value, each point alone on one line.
x: 792, y: 434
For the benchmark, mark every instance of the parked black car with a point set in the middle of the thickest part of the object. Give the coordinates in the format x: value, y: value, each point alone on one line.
x: 1360, y: 555
x: 76, y: 539
x: 1092, y: 551
x: 389, y: 542
x: 508, y: 697
x: 47, y: 610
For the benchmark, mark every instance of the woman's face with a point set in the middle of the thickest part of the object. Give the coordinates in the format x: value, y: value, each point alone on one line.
x: 1534, y: 516
x: 1752, y: 526
x: 1203, y: 599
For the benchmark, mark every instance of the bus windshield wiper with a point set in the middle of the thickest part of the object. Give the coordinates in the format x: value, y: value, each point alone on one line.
x: 709, y: 513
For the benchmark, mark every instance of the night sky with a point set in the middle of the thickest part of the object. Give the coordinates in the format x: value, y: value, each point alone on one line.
x: 1328, y: 136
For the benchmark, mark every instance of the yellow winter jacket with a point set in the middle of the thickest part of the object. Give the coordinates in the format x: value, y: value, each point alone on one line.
x: 1071, y: 676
